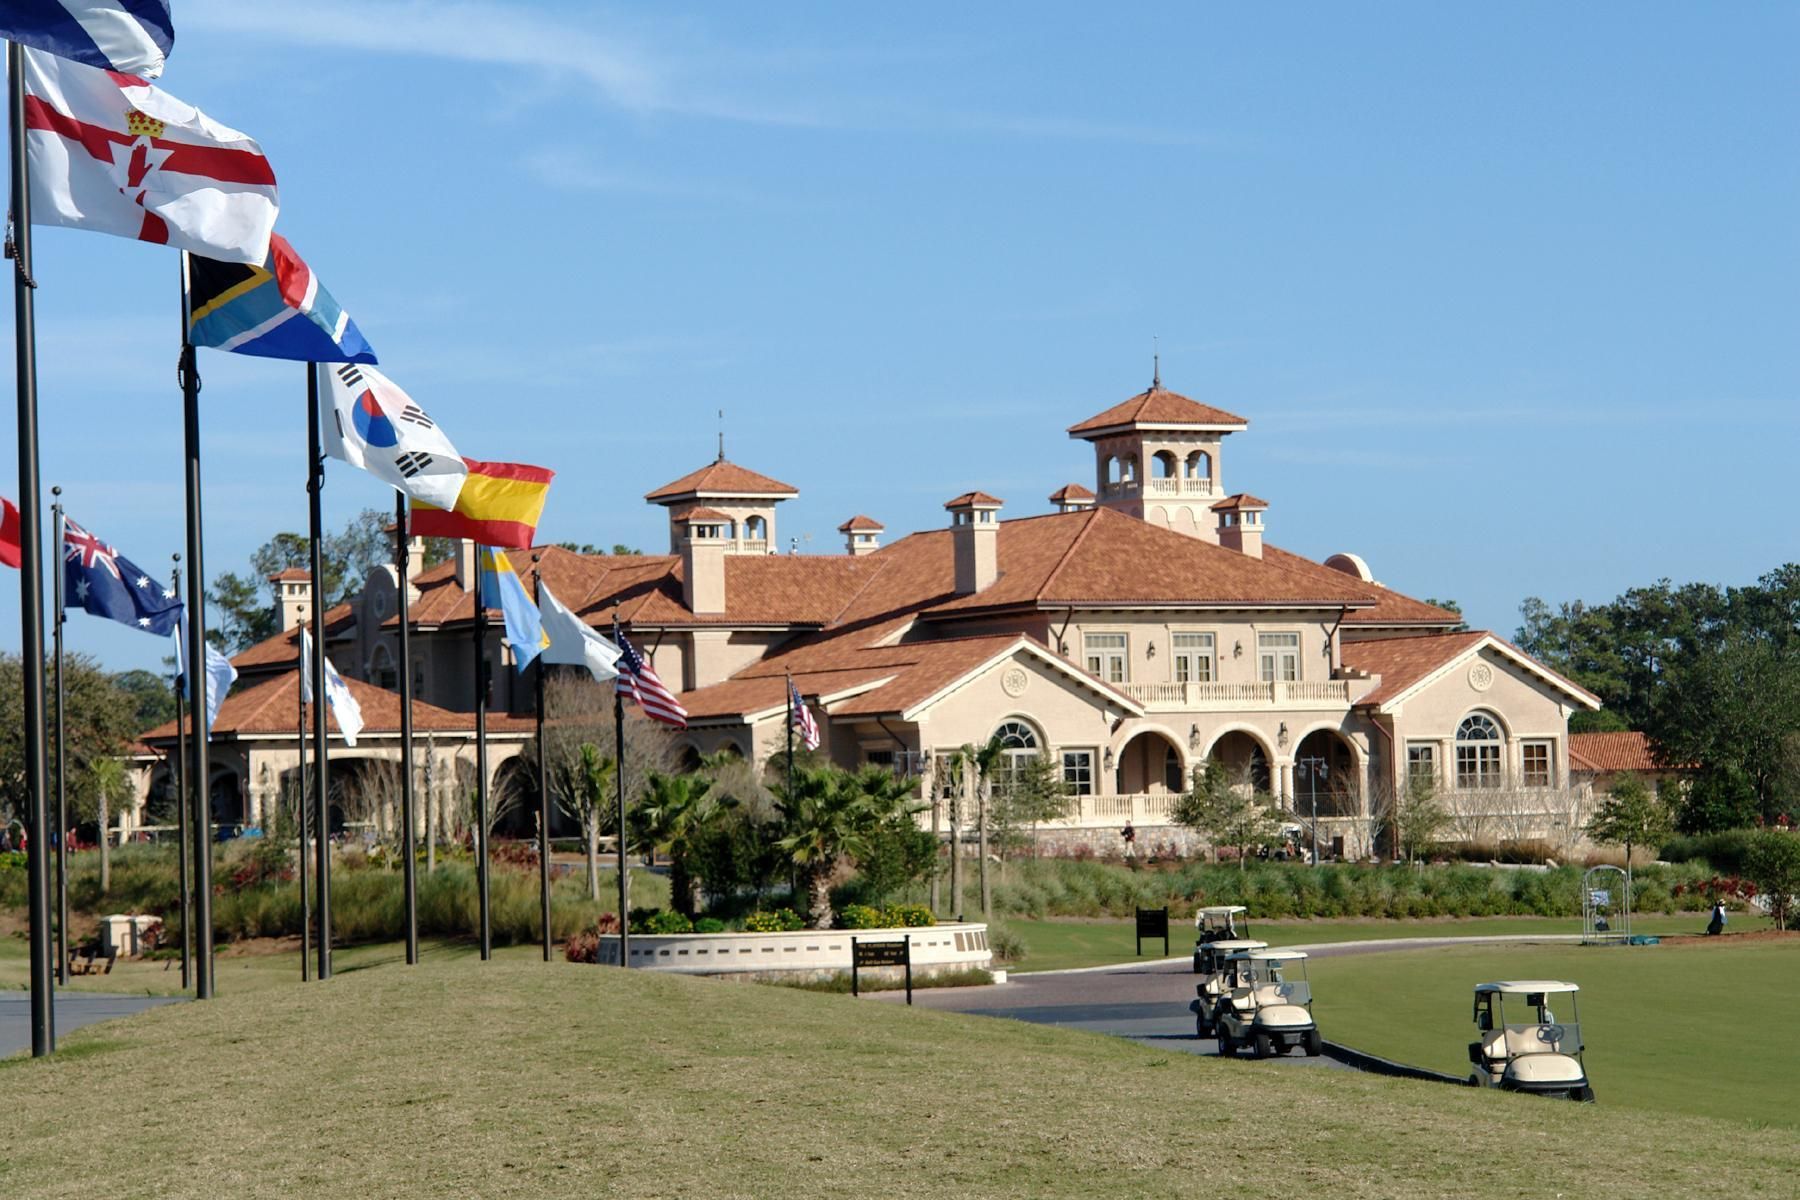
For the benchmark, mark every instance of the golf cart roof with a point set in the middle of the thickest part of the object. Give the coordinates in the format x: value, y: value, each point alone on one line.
x: 1521, y: 987
x: 1222, y: 910
x: 1273, y: 955
x: 1237, y: 945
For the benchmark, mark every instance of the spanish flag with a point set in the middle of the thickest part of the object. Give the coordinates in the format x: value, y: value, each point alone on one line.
x: 499, y: 505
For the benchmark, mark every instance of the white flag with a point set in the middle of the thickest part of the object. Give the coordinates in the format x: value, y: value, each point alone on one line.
x: 376, y: 426
x: 113, y: 154
x: 572, y: 641
x: 344, y: 708
x: 220, y: 674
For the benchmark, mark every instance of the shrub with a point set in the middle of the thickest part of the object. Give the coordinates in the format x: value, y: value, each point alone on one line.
x: 584, y: 945
x: 781, y: 920
x: 1006, y: 945
x: 659, y: 921
x: 1725, y: 851
x: 709, y: 925
x: 861, y: 916
x: 909, y: 916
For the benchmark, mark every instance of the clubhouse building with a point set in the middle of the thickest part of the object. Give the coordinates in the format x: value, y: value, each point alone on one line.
x: 1130, y: 629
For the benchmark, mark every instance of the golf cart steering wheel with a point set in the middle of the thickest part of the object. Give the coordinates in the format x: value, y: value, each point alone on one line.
x: 1550, y: 1033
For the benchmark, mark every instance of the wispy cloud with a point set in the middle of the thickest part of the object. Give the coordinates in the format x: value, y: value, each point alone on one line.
x: 570, y: 172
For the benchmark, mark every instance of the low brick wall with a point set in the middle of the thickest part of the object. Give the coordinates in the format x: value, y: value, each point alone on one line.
x: 807, y: 954
x: 1152, y: 841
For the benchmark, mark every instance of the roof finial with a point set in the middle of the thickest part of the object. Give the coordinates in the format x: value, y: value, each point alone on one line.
x: 721, y: 435
x: 1155, y: 363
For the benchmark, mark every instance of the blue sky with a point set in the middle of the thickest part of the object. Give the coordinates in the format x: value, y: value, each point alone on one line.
x: 1506, y: 293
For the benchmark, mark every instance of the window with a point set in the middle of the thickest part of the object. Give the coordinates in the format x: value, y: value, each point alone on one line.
x: 1193, y: 657
x: 1106, y: 655
x: 1538, y: 771
x: 1020, y: 742
x: 1078, y: 771
x: 1172, y: 773
x: 1280, y: 656
x: 1478, y: 741
x: 1421, y: 763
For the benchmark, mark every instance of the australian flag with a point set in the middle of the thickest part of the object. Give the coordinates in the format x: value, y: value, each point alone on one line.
x: 106, y: 583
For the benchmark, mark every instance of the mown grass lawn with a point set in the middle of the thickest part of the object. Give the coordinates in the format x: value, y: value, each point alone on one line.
x: 1060, y: 944
x: 525, y: 1079
x: 1688, y: 1028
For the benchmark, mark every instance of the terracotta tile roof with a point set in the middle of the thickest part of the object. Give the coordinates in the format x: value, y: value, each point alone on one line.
x: 1071, y: 493
x: 294, y: 574
x: 1158, y: 406
x: 1402, y: 662
x: 970, y: 499
x: 1391, y: 608
x: 283, y: 648
x: 722, y: 478
x: 860, y: 522
x: 1628, y: 751
x: 273, y: 706
x: 1239, y: 500
x: 696, y: 512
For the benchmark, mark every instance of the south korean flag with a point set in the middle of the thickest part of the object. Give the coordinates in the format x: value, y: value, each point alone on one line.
x: 374, y: 425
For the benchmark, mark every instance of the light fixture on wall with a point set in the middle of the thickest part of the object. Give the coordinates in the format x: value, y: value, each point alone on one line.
x: 1281, y: 736
x: 1237, y: 649
x: 1107, y: 761
x: 1194, y: 738
x: 1150, y: 650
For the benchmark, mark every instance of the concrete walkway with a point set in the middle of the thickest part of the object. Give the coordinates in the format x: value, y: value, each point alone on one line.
x: 72, y: 1010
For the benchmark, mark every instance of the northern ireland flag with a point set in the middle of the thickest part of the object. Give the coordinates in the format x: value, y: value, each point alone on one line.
x: 111, y: 153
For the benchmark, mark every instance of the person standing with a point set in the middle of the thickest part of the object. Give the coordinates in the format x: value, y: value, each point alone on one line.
x: 1130, y: 836
x: 1716, y: 926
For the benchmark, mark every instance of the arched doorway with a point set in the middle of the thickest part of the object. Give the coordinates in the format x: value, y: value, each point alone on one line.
x: 1326, y: 772
x: 1245, y: 760
x: 1150, y: 762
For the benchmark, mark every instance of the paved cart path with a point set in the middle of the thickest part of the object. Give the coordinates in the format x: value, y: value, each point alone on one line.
x: 73, y: 1010
x: 1144, y: 1001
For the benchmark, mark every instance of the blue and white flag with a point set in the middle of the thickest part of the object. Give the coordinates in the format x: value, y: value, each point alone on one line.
x: 220, y: 674
x: 501, y: 588
x: 98, y: 578
x: 132, y: 37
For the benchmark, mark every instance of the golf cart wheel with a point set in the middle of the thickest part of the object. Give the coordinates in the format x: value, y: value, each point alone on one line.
x: 1582, y: 1095
x: 1264, y: 1047
x: 1315, y: 1045
x: 1227, y: 1047
x: 1474, y: 1080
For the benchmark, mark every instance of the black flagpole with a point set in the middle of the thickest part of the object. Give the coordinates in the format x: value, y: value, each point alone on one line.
x: 624, y: 871
x: 408, y: 851
x: 31, y: 566
x: 315, y: 484
x: 199, y: 769
x: 790, y: 738
x: 481, y: 779
x: 62, y: 760
x: 181, y: 811
x: 301, y: 804
x: 543, y: 778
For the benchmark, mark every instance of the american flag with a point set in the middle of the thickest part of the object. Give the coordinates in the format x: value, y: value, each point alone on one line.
x: 802, y: 718
x: 638, y: 683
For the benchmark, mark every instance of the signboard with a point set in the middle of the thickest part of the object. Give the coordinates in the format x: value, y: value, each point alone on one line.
x: 1599, y: 898
x: 1153, y: 923
x: 885, y: 953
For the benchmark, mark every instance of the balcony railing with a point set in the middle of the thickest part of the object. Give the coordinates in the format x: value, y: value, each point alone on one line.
x: 1202, y: 697
x: 1178, y: 486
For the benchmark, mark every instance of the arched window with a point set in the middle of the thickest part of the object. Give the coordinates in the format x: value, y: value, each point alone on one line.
x: 755, y: 529
x: 1162, y: 465
x: 1112, y: 468
x: 1199, y: 465
x: 1478, y: 742
x: 382, y: 672
x: 1128, y: 468
x: 1172, y: 773
x: 1020, y: 742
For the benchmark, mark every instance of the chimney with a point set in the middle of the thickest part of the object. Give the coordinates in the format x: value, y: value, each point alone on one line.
x: 703, y: 550
x: 465, y: 564
x: 1072, y: 497
x: 1241, y: 523
x: 975, y: 533
x: 415, y: 554
x: 293, y: 592
x: 862, y: 535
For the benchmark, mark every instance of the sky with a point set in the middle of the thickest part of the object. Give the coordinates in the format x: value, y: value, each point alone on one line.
x: 1507, y: 293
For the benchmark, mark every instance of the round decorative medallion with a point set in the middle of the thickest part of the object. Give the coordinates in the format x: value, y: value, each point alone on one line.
x: 1014, y: 680
x: 1481, y: 676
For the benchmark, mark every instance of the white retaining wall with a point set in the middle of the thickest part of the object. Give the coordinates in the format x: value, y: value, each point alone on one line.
x: 822, y: 952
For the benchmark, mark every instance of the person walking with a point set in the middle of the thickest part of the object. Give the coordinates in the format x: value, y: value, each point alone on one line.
x: 1130, y: 836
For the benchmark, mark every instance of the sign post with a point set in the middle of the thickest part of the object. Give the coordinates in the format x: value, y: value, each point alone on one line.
x: 880, y: 954
x: 1152, y: 923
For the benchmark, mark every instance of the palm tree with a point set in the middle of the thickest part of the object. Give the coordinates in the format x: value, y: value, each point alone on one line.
x: 986, y: 760
x: 109, y: 779
x: 593, y: 780
x: 956, y: 774
x: 677, y: 813
x: 831, y: 815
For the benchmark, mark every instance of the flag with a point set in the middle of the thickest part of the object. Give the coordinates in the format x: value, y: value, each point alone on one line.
x: 129, y: 36
x: 104, y: 582
x: 502, y: 588
x: 10, y: 551
x: 344, y: 708
x: 220, y: 674
x: 638, y: 683
x: 572, y: 641
x: 375, y: 425
x: 277, y: 310
x: 802, y: 719
x: 499, y: 505
x: 113, y: 154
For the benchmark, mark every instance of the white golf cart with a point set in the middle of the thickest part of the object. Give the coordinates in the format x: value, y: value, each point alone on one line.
x: 1539, y: 1054
x: 1209, y: 962
x: 1265, y: 1004
x: 1218, y: 923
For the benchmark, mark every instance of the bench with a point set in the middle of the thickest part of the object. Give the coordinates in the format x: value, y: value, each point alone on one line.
x: 87, y: 959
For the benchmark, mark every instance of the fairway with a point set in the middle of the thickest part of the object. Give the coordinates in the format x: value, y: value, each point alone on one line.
x: 520, y: 1078
x: 1698, y: 1028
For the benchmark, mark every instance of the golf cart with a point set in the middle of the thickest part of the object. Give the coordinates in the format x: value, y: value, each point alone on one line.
x: 1209, y: 963
x: 1539, y: 1055
x: 1265, y: 1004
x: 1217, y: 923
